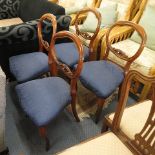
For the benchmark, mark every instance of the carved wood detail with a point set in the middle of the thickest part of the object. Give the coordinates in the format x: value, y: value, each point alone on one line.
x: 43, y: 44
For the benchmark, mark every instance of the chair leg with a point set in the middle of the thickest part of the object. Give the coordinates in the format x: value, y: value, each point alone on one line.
x: 100, y: 103
x: 73, y: 104
x: 104, y: 126
x: 43, y: 134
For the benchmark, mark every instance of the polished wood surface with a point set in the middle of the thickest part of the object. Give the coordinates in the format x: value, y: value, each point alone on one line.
x: 141, y: 144
x: 119, y: 53
x: 42, y: 43
x: 86, y: 35
x: 56, y: 65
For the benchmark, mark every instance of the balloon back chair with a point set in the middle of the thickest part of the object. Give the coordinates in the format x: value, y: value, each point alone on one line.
x: 110, y: 142
x: 135, y: 124
x: 26, y: 67
x: 66, y: 52
x: 43, y: 99
x: 104, y: 77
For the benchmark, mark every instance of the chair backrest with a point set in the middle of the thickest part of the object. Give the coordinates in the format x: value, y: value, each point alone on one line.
x: 144, y: 141
x: 119, y: 53
x: 42, y: 43
x: 56, y: 64
x: 134, y: 10
x: 86, y: 35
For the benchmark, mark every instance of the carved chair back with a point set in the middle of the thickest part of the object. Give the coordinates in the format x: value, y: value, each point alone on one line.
x: 121, y: 54
x: 144, y: 141
x: 56, y: 64
x: 86, y: 35
x: 42, y: 43
x: 135, y: 10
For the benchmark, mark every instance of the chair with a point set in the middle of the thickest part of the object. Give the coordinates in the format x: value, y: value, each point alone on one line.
x: 18, y: 27
x: 104, y: 76
x: 43, y: 99
x: 70, y: 57
x: 127, y: 122
x: 31, y: 65
x: 126, y: 39
x: 111, y: 143
x: 93, y: 4
x: 132, y: 11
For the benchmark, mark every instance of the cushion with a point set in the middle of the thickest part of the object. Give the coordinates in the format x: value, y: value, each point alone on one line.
x: 149, y: 25
x: 43, y: 99
x: 9, y: 22
x: 29, y: 66
x: 121, y: 9
x: 132, y: 123
x: 108, y: 17
x: 101, y: 77
x: 144, y: 63
x: 77, y: 7
x: 106, y: 144
x: 68, y: 54
x: 41, y: 7
x: 9, y: 8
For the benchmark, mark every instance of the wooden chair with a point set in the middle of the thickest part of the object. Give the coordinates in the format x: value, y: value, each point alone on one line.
x: 28, y: 66
x: 66, y: 52
x: 104, y: 76
x: 43, y: 99
x: 111, y: 142
x: 133, y: 13
x: 122, y: 37
x: 95, y: 4
x: 127, y: 122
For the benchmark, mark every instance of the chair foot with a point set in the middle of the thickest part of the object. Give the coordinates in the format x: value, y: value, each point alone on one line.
x: 47, y: 145
x: 104, y: 128
x: 43, y: 134
x: 99, y: 110
x: 76, y: 115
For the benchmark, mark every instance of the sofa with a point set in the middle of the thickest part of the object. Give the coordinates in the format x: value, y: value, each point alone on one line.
x: 2, y: 109
x: 18, y: 26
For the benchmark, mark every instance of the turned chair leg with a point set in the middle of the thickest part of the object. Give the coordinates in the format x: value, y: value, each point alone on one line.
x: 104, y: 126
x: 100, y: 104
x: 43, y: 134
x: 73, y: 104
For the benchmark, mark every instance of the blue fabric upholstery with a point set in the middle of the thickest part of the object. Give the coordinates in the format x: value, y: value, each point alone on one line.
x: 28, y: 66
x: 68, y: 54
x: 101, y: 77
x: 43, y: 99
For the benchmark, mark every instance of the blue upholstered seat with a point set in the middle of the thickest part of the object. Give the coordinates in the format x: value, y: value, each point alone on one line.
x: 43, y: 99
x: 68, y: 54
x: 101, y: 77
x: 28, y: 66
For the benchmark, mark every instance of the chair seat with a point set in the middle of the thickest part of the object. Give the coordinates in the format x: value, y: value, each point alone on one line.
x: 106, y: 144
x: 144, y: 63
x: 68, y: 54
x: 43, y: 99
x: 101, y: 77
x: 29, y: 66
x: 134, y: 118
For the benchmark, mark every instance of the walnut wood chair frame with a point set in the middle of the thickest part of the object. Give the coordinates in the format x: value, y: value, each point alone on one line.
x: 120, y: 54
x: 141, y: 144
x: 55, y: 65
x: 95, y: 4
x: 44, y: 45
x: 134, y: 12
x: 86, y: 35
